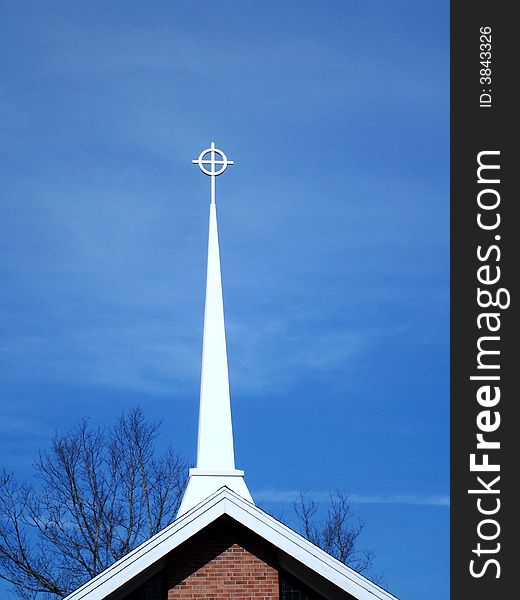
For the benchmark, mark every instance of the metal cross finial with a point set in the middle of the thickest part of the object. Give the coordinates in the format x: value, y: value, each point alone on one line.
x: 212, y: 162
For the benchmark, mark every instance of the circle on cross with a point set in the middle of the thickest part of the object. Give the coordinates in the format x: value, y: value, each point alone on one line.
x: 213, y: 166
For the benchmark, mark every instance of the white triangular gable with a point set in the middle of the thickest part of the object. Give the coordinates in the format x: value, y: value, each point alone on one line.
x: 226, y: 502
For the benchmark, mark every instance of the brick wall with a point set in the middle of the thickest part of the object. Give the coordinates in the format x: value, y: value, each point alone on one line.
x: 223, y: 561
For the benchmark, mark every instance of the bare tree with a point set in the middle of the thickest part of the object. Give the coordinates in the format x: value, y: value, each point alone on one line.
x: 337, y: 533
x: 101, y: 493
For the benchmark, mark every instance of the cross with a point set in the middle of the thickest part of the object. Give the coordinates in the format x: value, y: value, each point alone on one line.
x: 213, y: 171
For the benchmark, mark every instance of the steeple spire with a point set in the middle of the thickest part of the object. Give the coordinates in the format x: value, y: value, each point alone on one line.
x: 215, y: 453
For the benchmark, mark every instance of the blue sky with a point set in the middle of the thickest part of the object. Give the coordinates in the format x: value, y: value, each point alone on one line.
x: 334, y: 243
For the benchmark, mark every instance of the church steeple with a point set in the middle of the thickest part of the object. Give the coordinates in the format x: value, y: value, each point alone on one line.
x: 215, y: 452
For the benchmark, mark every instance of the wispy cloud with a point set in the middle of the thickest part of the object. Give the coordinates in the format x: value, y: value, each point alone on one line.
x: 276, y: 496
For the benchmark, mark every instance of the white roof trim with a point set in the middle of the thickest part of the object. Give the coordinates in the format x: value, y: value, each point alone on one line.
x: 224, y: 501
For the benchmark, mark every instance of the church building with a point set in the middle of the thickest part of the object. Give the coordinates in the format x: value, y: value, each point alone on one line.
x: 221, y: 545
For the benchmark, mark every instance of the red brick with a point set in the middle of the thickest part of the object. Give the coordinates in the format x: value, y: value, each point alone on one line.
x: 223, y: 561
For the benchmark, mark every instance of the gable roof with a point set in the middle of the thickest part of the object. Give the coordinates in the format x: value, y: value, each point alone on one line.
x: 226, y: 502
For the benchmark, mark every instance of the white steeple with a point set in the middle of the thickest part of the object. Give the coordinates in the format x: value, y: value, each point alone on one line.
x: 215, y: 454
